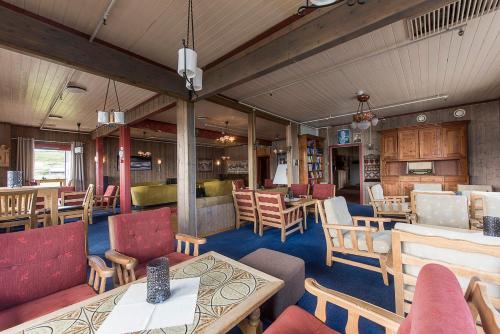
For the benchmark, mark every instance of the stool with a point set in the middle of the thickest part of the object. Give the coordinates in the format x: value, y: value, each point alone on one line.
x: 286, y: 267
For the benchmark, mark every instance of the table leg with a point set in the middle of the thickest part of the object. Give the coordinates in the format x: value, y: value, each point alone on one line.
x: 252, y: 325
x: 54, y: 214
x: 304, y: 208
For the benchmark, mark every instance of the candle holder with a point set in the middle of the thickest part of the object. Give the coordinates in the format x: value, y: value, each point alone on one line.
x: 491, y: 226
x: 14, y: 179
x: 158, y: 280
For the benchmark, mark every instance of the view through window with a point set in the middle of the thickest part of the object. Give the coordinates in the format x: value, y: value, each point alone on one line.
x: 52, y: 164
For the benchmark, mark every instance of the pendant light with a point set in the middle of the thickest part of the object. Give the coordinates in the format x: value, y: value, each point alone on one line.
x: 118, y: 116
x: 325, y: 3
x: 363, y: 119
x: 78, y: 144
x: 113, y: 117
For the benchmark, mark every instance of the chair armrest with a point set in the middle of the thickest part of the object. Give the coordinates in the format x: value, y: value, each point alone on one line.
x: 350, y: 227
x: 412, y: 217
x: 187, y: 240
x: 99, y: 272
x: 397, y: 197
x: 475, y: 224
x: 127, y: 261
x: 356, y: 308
x: 368, y: 220
x: 291, y: 209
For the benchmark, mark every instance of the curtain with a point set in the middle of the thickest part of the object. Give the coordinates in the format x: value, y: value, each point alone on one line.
x: 77, y: 168
x: 25, y: 157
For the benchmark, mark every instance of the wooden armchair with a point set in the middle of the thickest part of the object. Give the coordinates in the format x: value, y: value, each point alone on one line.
x: 246, y: 210
x: 18, y: 208
x: 273, y: 213
x: 74, y: 206
x: 414, y: 193
x: 109, y: 200
x: 300, y: 190
x: 394, y: 207
x: 477, y: 201
x: 320, y: 192
x: 238, y: 184
x: 136, y: 238
x: 440, y: 307
x: 343, y: 234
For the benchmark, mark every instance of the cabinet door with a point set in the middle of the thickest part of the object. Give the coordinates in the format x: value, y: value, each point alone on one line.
x: 430, y: 142
x: 451, y: 182
x: 406, y: 184
x: 455, y: 141
x: 389, y: 145
x: 408, y: 144
x: 391, y: 186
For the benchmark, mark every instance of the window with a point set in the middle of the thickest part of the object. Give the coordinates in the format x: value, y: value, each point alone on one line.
x: 52, y: 163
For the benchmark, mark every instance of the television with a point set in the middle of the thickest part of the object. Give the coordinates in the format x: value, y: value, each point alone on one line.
x: 138, y: 163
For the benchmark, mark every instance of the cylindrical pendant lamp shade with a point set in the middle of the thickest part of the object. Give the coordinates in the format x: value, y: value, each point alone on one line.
x: 102, y: 117
x: 187, y: 62
x: 119, y: 117
x: 197, y: 80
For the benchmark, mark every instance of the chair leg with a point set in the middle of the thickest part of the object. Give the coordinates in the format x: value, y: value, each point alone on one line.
x: 383, y: 267
x: 315, y: 214
x: 329, y: 258
x: 254, y: 227
x: 283, y: 234
x: 301, y: 227
x: 238, y: 223
x: 261, y: 229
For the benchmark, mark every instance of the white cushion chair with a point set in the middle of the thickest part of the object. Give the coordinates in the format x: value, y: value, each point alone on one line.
x: 477, y: 205
x: 394, y: 207
x: 441, y: 210
x: 428, y: 187
x: 467, y: 253
x: 467, y: 189
x: 343, y: 234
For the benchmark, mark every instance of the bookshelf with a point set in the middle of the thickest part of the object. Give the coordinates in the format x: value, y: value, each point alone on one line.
x: 312, y: 163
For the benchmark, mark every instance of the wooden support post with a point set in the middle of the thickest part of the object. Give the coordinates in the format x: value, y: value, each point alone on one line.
x: 124, y: 156
x: 252, y: 153
x: 292, y: 156
x: 99, y: 168
x: 186, y: 168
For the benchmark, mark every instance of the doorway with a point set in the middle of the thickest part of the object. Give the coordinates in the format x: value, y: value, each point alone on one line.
x: 346, y: 171
x: 263, y: 169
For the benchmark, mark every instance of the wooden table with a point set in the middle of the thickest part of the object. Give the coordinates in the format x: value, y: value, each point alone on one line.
x: 230, y: 295
x: 304, y: 202
x: 50, y: 195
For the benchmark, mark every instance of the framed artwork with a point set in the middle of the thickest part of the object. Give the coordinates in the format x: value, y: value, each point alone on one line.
x: 205, y: 166
x: 343, y: 136
x: 237, y: 166
x: 356, y: 137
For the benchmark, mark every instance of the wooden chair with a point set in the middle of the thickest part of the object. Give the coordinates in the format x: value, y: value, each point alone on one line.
x: 268, y: 184
x: 273, y: 212
x: 77, y: 209
x: 300, y: 190
x: 42, y: 213
x: 476, y: 206
x: 440, y: 307
x: 246, y: 210
x: 466, y: 253
x: 320, y: 192
x: 343, y: 234
x: 238, y: 184
x: 109, y: 200
x: 136, y: 238
x: 18, y: 208
x: 393, y: 207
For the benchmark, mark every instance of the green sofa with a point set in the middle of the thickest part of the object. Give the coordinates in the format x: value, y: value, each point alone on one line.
x: 155, y: 194
x: 218, y: 188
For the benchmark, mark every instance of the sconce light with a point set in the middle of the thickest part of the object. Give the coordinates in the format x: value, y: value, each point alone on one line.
x: 95, y: 158
x: 217, y: 162
x: 158, y: 161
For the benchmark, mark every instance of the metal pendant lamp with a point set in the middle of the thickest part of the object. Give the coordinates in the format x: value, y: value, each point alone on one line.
x: 113, y: 117
x: 187, y: 58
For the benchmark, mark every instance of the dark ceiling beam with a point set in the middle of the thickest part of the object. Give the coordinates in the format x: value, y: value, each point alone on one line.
x: 333, y: 28
x: 30, y: 34
x: 165, y: 127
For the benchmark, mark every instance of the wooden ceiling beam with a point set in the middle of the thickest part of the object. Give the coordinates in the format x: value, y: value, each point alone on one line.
x: 33, y: 35
x: 334, y: 27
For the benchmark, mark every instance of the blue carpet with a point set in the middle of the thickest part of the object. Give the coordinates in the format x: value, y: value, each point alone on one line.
x: 310, y: 246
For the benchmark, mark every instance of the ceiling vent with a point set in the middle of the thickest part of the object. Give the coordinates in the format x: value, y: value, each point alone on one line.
x: 447, y: 17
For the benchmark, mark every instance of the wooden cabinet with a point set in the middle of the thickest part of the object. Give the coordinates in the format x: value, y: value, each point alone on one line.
x: 454, y: 140
x: 311, y: 159
x: 451, y: 182
x: 390, y: 186
x: 389, y: 145
x: 406, y: 184
x: 429, y: 142
x: 408, y: 144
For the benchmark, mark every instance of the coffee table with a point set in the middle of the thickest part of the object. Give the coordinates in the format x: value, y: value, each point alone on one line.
x: 304, y: 202
x: 230, y: 295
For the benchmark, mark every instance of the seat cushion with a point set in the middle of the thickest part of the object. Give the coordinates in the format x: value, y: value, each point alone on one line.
x: 300, y: 189
x: 297, y: 321
x: 323, y: 191
x: 381, y: 241
x: 45, y: 305
x: 173, y: 259
x: 70, y: 208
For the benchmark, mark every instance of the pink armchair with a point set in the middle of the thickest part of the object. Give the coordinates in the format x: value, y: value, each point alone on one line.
x: 136, y: 238
x: 300, y: 190
x: 43, y: 270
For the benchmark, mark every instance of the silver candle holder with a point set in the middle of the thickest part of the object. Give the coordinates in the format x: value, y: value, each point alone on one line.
x: 158, y: 280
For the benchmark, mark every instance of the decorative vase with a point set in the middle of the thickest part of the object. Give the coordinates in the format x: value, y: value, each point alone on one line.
x: 491, y: 226
x: 158, y: 280
x: 14, y: 179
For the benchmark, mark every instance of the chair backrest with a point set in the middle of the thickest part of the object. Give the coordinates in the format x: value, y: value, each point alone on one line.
x: 40, y: 262
x: 300, y: 189
x: 376, y: 192
x: 442, y: 210
x: 270, y: 206
x: 477, y: 202
x: 323, y: 191
x: 428, y: 186
x: 72, y: 198
x: 111, y: 191
x: 268, y: 183
x: 17, y: 204
x: 238, y: 184
x: 491, y: 206
x: 244, y: 203
x: 464, y: 252
x: 336, y: 211
x: 466, y: 189
x: 65, y: 189
x: 144, y: 235
x: 88, y: 200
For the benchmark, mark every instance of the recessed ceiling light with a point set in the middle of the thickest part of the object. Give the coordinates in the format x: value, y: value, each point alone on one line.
x: 459, y: 113
x: 76, y: 89
x: 55, y: 117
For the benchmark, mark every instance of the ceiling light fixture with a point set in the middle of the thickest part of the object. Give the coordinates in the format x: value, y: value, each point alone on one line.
x: 187, y: 58
x: 113, y: 116
x: 75, y: 89
x: 55, y: 117
x: 363, y: 119
x: 325, y: 3
x: 226, y: 139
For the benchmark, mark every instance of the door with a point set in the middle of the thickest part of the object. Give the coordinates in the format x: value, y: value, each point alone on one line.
x: 389, y: 145
x: 263, y: 171
x: 455, y: 141
x: 408, y: 144
x: 430, y: 142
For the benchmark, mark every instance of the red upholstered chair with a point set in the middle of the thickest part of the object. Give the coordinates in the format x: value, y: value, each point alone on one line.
x: 300, y: 190
x: 238, y: 184
x: 136, y: 238
x: 108, y: 201
x: 320, y: 192
x: 245, y: 207
x: 273, y: 212
x: 43, y: 270
x: 268, y: 184
x: 65, y: 189
x: 439, y: 306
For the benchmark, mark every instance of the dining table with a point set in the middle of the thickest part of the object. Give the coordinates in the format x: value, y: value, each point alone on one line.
x: 304, y: 202
x: 50, y: 195
x: 230, y: 294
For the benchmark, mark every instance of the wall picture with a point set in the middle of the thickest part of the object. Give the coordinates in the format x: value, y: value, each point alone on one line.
x: 205, y: 166
x: 356, y: 138
x: 237, y: 167
x: 343, y: 136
